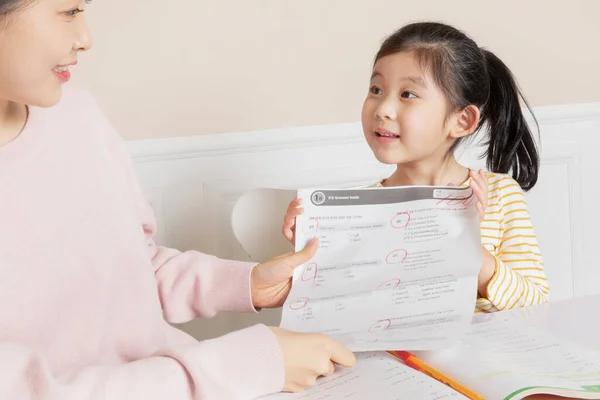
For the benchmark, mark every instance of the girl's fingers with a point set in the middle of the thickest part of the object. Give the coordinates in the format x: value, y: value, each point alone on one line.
x: 484, y: 186
x: 288, y: 233
x: 483, y: 178
x: 480, y: 177
x: 476, y: 189
x: 294, y: 204
x: 480, y: 210
x: 287, y: 224
x: 476, y: 176
x: 289, y: 220
x: 480, y: 187
x: 483, y: 175
x: 293, y: 213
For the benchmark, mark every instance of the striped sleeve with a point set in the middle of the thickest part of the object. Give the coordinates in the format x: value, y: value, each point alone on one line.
x: 519, y: 279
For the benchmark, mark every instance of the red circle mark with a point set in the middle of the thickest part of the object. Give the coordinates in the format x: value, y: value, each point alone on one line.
x: 299, y: 304
x: 381, y: 325
x: 316, y: 222
x: 387, y: 259
x: 391, y: 284
x: 443, y: 200
x: 393, y: 222
x: 457, y: 202
x: 310, y: 272
x: 469, y: 201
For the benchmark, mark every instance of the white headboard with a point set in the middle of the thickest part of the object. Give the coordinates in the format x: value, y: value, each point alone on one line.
x: 193, y: 183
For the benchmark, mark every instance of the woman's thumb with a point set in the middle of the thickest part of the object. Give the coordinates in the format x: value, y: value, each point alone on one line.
x: 305, y: 254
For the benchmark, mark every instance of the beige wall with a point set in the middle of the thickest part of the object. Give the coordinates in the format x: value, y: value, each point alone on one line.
x: 186, y: 67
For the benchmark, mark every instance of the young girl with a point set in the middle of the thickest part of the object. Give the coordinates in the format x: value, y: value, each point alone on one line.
x: 431, y: 88
x: 84, y: 290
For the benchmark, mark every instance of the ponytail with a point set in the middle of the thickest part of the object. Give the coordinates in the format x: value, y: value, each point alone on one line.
x: 511, y: 145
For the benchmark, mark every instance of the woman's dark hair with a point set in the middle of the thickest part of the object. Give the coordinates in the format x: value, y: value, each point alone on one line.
x: 469, y: 75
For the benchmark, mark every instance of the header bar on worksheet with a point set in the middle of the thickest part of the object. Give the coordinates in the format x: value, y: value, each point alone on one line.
x: 370, y: 196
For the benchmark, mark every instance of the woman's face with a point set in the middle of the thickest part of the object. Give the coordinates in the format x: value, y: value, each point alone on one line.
x: 38, y: 44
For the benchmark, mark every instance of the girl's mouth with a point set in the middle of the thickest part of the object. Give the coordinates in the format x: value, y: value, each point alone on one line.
x: 386, y: 136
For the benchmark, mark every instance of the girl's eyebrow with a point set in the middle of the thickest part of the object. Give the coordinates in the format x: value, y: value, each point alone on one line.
x: 417, y: 80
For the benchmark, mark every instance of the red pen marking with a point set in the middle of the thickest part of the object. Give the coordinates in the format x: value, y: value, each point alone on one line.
x: 396, y: 256
x: 312, y: 225
x: 400, y: 220
x: 391, y: 284
x: 381, y: 325
x: 310, y: 272
x: 299, y: 304
x: 457, y: 202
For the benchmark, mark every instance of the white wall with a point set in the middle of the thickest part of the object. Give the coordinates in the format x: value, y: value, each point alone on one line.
x: 189, y: 67
x: 193, y: 183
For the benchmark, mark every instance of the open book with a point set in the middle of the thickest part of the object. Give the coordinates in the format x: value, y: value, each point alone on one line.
x: 499, y: 359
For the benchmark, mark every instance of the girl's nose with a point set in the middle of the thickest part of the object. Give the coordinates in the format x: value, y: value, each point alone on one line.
x: 386, y: 109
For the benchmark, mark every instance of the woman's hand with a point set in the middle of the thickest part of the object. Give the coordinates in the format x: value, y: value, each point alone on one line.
x: 271, y: 281
x: 307, y: 356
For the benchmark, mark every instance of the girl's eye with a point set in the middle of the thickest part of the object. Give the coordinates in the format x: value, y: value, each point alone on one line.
x: 407, y: 95
x: 74, y: 12
x: 375, y: 90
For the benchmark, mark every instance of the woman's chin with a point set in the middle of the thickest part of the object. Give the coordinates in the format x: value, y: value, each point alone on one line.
x: 47, y: 98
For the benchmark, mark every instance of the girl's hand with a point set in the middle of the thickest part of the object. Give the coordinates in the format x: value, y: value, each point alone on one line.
x: 307, y: 356
x: 270, y: 282
x: 289, y: 221
x: 479, y: 184
x: 488, y: 268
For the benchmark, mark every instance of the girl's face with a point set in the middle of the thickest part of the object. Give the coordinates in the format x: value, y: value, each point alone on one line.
x: 404, y: 116
x: 37, y: 46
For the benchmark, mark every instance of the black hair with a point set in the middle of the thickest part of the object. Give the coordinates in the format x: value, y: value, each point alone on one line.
x: 8, y: 7
x: 469, y: 75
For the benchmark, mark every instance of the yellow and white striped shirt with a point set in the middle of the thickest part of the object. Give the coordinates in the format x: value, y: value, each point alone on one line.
x: 507, y: 233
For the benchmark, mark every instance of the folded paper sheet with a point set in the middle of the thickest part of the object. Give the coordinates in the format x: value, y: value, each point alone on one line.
x: 396, y: 267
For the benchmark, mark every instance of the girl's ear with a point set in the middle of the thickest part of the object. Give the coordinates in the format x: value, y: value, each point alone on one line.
x: 464, y: 122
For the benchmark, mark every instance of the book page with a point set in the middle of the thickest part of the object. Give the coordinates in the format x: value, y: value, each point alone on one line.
x: 501, y: 358
x: 375, y: 376
x: 396, y: 268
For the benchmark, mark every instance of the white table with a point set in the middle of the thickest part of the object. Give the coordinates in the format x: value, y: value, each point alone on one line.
x: 576, y: 319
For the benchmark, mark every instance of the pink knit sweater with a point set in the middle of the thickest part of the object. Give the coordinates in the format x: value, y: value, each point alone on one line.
x: 84, y: 291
